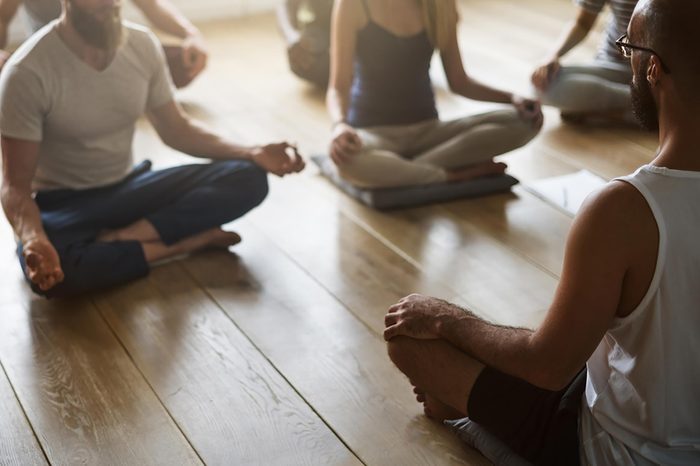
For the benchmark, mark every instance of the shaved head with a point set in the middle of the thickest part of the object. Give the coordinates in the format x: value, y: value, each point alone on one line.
x: 672, y: 29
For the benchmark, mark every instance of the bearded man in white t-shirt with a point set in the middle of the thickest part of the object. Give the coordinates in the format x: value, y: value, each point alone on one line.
x: 612, y: 375
x: 85, y: 219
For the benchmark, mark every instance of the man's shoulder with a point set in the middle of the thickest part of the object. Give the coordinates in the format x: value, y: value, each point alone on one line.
x: 141, y: 43
x: 139, y: 35
x: 619, y: 209
x: 35, y: 50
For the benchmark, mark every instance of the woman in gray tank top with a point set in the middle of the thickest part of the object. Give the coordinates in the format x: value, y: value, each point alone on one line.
x: 386, y: 130
x: 597, y: 92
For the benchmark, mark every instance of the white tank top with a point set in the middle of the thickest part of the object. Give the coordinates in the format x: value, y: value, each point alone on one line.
x: 642, y: 403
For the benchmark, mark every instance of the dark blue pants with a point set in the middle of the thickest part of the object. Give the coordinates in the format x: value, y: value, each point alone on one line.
x: 179, y: 202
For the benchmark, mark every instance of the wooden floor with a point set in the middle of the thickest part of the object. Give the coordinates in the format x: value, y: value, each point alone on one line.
x: 272, y: 354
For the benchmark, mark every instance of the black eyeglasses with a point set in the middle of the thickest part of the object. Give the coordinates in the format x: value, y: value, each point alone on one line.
x: 625, y: 48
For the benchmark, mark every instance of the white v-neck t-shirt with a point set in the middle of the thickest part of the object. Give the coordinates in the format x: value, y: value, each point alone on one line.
x: 84, y: 119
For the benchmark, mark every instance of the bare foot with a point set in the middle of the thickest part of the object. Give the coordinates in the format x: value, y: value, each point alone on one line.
x: 420, y: 394
x: 476, y: 171
x: 439, y: 411
x: 435, y: 409
x: 218, y: 238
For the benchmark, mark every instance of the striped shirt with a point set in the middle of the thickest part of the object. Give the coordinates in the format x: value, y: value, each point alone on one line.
x: 621, y: 14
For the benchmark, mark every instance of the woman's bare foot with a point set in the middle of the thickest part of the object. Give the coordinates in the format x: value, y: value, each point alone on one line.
x: 490, y: 168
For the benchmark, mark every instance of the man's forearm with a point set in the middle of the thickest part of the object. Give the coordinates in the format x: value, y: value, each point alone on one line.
x: 23, y: 214
x: 196, y: 140
x: 504, y: 348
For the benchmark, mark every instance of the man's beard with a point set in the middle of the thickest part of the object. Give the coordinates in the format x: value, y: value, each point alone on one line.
x: 643, y: 104
x: 105, y: 34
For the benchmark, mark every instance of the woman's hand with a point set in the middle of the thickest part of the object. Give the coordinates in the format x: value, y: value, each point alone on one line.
x: 543, y: 76
x: 345, y: 143
x: 529, y: 110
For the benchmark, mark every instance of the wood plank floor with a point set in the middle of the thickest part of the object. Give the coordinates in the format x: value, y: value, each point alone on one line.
x: 272, y: 353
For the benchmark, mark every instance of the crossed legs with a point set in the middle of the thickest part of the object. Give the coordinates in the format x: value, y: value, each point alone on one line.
x: 442, y: 376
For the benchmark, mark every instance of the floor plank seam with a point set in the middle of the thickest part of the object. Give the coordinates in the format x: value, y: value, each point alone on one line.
x: 319, y: 283
x: 24, y: 413
x: 265, y: 357
x: 148, y: 383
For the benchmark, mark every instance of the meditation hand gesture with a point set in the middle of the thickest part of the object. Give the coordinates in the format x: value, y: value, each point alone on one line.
x: 345, y: 143
x: 529, y: 110
x: 42, y: 263
x: 279, y: 158
x: 420, y: 317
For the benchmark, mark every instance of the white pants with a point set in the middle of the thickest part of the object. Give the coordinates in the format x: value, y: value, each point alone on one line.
x: 422, y: 153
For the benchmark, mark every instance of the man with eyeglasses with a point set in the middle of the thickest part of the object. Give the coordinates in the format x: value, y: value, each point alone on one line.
x: 611, y: 376
x: 597, y: 92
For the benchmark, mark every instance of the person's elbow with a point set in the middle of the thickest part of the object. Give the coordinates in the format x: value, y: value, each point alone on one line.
x: 585, y: 22
x: 549, y: 369
x: 459, y: 83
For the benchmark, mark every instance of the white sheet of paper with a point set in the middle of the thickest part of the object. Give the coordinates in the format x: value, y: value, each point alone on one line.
x: 566, y: 192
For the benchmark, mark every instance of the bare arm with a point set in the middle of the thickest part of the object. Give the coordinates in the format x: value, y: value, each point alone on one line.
x: 19, y: 166
x: 577, y: 31
x: 462, y: 84
x: 347, y: 20
x: 165, y: 17
x: 287, y: 20
x: 182, y: 133
x: 8, y: 9
x: 606, y: 240
x: 459, y: 81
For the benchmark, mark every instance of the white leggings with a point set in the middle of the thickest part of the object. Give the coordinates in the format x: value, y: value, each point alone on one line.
x: 422, y: 153
x: 595, y: 88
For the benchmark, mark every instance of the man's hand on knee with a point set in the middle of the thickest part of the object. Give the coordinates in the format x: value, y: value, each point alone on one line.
x: 42, y: 263
x: 420, y: 317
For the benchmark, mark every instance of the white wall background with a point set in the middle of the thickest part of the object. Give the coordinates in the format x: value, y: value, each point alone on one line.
x: 195, y: 10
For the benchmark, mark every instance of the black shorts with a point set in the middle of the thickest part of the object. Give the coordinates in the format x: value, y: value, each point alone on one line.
x: 539, y: 425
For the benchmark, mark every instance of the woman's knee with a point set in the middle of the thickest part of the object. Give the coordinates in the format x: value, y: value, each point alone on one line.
x: 517, y: 131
